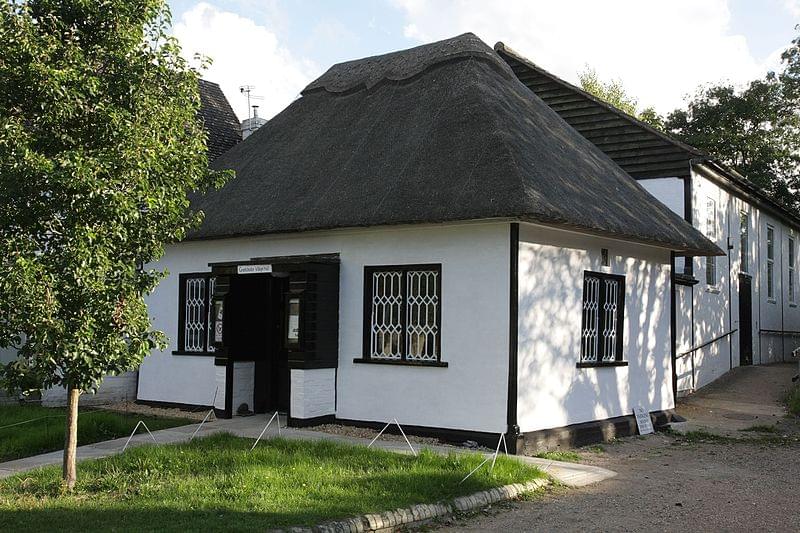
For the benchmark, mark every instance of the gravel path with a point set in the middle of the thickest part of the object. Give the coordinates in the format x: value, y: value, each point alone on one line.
x: 727, y: 478
x: 667, y: 483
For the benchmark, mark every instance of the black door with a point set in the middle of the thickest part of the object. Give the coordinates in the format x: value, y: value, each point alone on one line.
x: 745, y: 320
x: 272, y: 366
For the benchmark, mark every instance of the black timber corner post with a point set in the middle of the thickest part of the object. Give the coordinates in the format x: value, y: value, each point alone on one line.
x: 673, y: 337
x: 513, y: 434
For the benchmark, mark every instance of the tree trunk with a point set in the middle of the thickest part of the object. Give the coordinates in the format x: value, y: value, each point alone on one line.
x: 71, y: 439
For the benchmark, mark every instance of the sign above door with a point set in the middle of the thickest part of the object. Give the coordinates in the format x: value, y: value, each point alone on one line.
x: 253, y: 269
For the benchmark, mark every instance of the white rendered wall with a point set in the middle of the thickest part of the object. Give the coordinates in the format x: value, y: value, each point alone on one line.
x: 470, y: 394
x: 313, y: 392
x: 553, y: 392
x: 713, y: 305
x: 720, y: 313
x: 669, y: 191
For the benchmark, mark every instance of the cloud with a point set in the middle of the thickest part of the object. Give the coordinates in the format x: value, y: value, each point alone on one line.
x: 793, y: 7
x: 660, y: 50
x: 244, y: 53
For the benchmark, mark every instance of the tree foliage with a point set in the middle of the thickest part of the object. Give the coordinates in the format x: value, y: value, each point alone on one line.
x: 755, y: 130
x: 99, y: 145
x: 614, y: 93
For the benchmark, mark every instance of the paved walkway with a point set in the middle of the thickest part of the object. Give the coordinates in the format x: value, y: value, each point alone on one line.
x: 572, y: 475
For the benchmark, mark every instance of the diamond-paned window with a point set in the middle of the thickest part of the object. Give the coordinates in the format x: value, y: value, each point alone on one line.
x: 422, y: 311
x: 402, y: 313
x: 387, y: 325
x: 603, y: 317
x: 194, y: 321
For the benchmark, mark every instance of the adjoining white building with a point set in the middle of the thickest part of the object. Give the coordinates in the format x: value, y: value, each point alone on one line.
x: 420, y: 237
x: 739, y: 309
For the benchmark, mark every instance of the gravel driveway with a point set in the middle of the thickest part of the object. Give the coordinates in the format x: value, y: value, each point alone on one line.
x: 739, y: 480
x: 668, y: 483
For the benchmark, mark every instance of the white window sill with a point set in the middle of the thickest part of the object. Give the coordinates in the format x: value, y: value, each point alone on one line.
x: 713, y: 290
x: 772, y: 301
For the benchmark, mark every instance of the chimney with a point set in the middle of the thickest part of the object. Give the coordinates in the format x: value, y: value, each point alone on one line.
x: 249, y: 125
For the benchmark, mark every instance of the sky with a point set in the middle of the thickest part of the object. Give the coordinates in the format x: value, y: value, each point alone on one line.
x: 662, y: 51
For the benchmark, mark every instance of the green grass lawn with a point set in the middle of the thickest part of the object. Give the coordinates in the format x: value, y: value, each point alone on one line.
x: 215, y: 483
x: 47, y: 433
x: 567, y: 456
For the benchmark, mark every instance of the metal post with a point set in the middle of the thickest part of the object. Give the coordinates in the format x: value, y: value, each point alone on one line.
x: 140, y: 423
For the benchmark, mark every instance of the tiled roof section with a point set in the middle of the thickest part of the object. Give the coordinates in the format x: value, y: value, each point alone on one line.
x: 642, y: 151
x: 219, y: 120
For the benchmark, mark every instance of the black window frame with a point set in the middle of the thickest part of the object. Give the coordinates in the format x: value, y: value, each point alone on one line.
x: 182, y: 278
x: 366, y: 356
x: 619, y: 359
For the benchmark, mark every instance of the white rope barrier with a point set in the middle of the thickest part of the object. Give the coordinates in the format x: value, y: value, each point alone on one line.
x: 265, y: 430
x: 140, y: 423
x: 213, y: 404
x: 493, y: 457
x: 401, y: 432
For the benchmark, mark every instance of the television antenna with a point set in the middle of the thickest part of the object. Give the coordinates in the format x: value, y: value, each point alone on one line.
x: 247, y: 91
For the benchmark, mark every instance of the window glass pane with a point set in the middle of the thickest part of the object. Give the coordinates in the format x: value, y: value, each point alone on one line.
x: 194, y: 328
x: 770, y: 262
x: 422, y: 331
x: 744, y: 241
x: 711, y: 271
x: 386, y: 327
x: 711, y: 219
x: 210, y: 321
x: 602, y: 313
x: 591, y: 306
x: 610, y: 307
x: 770, y: 243
x: 770, y: 274
x: 790, y: 285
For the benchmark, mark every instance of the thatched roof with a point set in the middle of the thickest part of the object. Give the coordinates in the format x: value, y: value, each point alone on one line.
x: 441, y: 132
x: 219, y: 120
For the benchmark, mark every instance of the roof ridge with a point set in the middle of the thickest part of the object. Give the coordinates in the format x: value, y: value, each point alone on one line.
x: 406, y: 64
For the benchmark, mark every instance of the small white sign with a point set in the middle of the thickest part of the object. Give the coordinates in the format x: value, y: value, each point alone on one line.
x: 643, y: 421
x: 254, y: 269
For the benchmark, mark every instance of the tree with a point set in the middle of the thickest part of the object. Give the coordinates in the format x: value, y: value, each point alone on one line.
x: 614, y: 93
x: 99, y: 146
x: 755, y: 130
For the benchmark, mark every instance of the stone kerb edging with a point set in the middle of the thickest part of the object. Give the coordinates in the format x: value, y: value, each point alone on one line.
x: 416, y: 514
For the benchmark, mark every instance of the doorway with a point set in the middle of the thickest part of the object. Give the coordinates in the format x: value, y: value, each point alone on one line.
x: 255, y: 319
x: 745, y: 320
x: 270, y: 315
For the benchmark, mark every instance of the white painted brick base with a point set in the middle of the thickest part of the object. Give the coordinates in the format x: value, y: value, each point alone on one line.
x: 219, y: 379
x: 243, y: 381
x: 313, y: 392
x: 113, y: 389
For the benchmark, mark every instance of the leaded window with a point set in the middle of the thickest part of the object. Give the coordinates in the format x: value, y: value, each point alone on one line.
x: 402, y: 313
x: 194, y: 313
x: 603, y: 316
